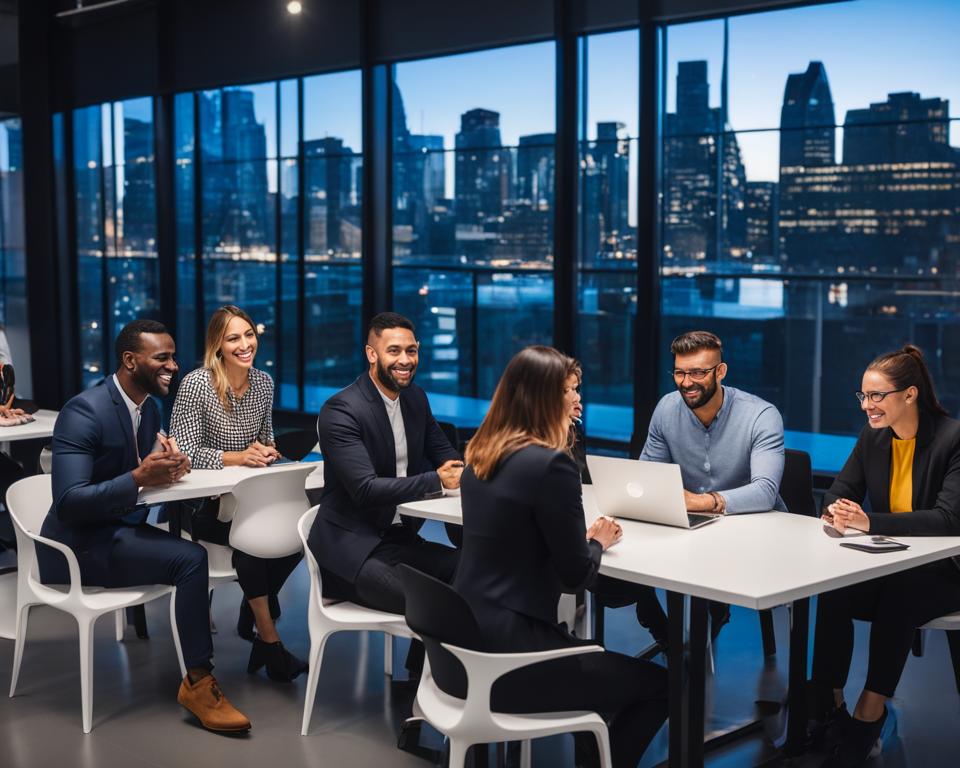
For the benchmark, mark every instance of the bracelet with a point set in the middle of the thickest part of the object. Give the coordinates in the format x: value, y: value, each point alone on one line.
x: 719, y: 505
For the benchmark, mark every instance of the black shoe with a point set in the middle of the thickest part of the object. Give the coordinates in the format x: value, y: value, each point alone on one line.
x: 859, y: 739
x: 282, y: 666
x: 826, y: 722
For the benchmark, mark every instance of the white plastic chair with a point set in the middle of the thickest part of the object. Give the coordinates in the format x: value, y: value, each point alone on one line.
x: 324, y: 617
x: 28, y: 501
x: 470, y: 721
x: 951, y: 624
x: 268, y: 509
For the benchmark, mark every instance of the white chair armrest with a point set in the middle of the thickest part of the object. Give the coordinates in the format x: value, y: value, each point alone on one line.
x: 72, y: 565
x: 484, y: 669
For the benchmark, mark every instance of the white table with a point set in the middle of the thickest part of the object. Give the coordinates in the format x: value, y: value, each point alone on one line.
x: 40, y: 427
x: 200, y: 483
x: 756, y: 561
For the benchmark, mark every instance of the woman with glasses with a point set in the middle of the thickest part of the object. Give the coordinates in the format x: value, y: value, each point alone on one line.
x: 906, y: 467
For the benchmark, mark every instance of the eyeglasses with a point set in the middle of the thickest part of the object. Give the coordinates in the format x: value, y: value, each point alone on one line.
x: 876, y: 397
x: 697, y: 374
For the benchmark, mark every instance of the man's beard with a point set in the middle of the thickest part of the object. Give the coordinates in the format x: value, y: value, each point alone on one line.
x: 149, y: 384
x: 386, y: 378
x: 705, y: 395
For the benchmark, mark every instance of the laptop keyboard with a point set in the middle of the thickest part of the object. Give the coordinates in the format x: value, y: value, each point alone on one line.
x: 695, y: 520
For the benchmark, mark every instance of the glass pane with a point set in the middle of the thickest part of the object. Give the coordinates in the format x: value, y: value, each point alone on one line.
x: 332, y: 206
x: 184, y: 191
x: 13, y: 314
x: 332, y: 108
x: 611, y: 81
x: 239, y: 123
x: 473, y: 188
x: 87, y: 156
x: 333, y: 336
x: 289, y: 120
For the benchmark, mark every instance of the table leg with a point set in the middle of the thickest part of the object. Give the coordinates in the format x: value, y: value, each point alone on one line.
x: 797, y: 703
x: 675, y: 632
x: 696, y: 684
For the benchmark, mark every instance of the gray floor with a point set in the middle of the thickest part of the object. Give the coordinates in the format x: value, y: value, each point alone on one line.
x: 137, y: 722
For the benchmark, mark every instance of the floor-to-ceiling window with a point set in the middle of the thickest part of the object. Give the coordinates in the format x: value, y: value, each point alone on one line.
x: 811, y: 201
x: 116, y: 239
x: 473, y: 189
x: 268, y: 178
x: 607, y: 232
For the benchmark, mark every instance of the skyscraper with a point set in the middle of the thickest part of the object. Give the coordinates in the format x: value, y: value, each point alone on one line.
x: 482, y: 169
x: 903, y: 128
x: 806, y: 119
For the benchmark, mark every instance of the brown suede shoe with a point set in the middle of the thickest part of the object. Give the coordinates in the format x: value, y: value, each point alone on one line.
x: 206, y: 702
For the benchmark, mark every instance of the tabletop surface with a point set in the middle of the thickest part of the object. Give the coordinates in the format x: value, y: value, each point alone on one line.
x: 199, y: 483
x: 756, y: 561
x: 42, y: 426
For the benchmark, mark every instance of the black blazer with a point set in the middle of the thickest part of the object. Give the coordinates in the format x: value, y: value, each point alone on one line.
x: 524, y: 542
x: 361, y: 489
x: 94, y: 454
x: 936, y: 479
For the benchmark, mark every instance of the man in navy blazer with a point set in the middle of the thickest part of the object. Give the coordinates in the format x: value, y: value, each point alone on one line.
x: 107, y: 445
x: 381, y: 447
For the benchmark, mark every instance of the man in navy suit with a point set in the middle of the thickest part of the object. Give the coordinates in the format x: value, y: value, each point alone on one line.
x: 107, y: 445
x: 381, y: 447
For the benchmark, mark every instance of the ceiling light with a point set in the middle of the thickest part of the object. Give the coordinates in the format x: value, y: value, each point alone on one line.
x: 294, y: 8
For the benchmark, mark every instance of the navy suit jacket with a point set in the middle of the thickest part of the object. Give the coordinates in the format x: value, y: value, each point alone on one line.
x: 361, y: 489
x: 94, y: 455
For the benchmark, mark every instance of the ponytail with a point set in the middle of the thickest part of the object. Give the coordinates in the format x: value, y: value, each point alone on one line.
x: 907, y: 368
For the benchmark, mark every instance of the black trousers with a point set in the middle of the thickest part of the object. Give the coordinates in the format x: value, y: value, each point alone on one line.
x: 257, y: 576
x: 613, y: 593
x: 895, y: 605
x: 630, y: 694
x: 142, y: 554
x: 378, y: 582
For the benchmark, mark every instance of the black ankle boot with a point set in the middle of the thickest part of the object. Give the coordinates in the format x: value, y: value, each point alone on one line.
x: 282, y: 666
x: 858, y: 740
x: 826, y: 722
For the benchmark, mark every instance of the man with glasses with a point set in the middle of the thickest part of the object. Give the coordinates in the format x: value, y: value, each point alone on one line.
x: 728, y: 443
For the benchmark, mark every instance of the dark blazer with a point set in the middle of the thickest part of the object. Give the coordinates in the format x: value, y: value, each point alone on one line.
x: 94, y: 454
x: 524, y: 542
x: 936, y: 479
x: 361, y: 489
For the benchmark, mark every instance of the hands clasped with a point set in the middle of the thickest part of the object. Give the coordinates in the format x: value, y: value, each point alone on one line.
x: 843, y: 514
x: 164, y: 466
x: 259, y: 455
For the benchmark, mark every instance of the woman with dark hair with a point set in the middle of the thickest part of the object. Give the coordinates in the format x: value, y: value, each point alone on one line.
x: 906, y: 463
x: 222, y: 417
x: 525, y: 541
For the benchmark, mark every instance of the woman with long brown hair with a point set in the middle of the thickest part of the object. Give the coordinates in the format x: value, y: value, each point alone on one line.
x: 222, y: 417
x: 906, y: 467
x: 525, y: 541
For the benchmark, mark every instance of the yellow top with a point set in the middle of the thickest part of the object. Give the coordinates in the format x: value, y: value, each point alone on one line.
x: 901, y: 475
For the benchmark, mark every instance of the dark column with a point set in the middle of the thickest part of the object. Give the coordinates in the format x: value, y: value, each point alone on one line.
x: 647, y: 352
x: 166, y: 211
x: 565, y: 175
x: 377, y: 175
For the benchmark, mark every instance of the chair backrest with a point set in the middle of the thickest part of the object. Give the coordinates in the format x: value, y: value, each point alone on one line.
x: 450, y: 431
x: 297, y: 443
x: 796, y: 485
x: 269, y: 505
x: 28, y: 501
x: 304, y: 524
x: 439, y: 614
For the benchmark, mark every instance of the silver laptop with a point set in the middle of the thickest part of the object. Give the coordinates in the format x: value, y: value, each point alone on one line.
x: 642, y: 490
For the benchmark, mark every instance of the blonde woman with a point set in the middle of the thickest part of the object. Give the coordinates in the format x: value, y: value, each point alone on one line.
x: 222, y: 417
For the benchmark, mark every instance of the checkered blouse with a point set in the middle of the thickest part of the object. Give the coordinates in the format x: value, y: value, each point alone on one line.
x: 204, y: 429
